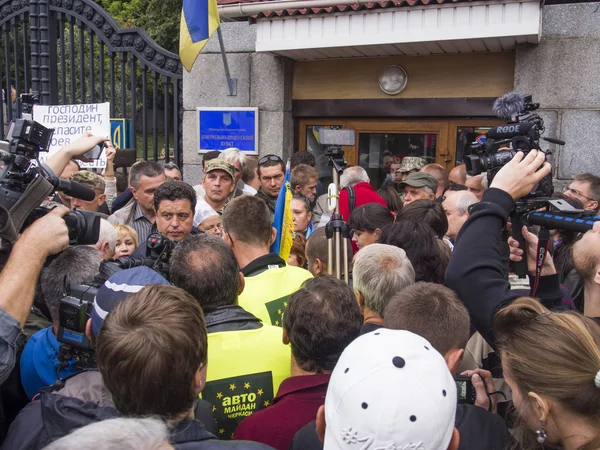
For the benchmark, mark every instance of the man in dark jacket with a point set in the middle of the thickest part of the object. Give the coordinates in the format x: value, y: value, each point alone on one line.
x: 247, y: 359
x: 476, y: 271
x: 174, y: 204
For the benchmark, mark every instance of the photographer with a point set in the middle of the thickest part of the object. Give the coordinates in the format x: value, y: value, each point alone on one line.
x: 46, y: 236
x: 40, y: 362
x: 475, y: 271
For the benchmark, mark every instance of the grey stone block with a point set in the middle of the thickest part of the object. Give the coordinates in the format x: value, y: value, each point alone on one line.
x: 271, y: 77
x: 560, y: 73
x: 206, y: 85
x: 276, y: 131
x: 192, y: 173
x: 190, y: 139
x: 552, y: 131
x: 571, y: 21
x: 238, y: 37
x: 581, y: 131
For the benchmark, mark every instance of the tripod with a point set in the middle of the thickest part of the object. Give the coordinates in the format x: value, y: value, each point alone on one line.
x: 336, y: 231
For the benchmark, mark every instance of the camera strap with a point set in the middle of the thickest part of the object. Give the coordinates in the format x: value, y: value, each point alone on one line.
x: 351, y: 199
x: 541, y: 252
x: 12, y: 221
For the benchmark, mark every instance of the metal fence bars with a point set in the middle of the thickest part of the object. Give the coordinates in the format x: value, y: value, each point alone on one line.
x: 73, y: 52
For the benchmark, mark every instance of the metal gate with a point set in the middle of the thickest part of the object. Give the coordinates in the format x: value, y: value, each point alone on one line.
x: 72, y: 52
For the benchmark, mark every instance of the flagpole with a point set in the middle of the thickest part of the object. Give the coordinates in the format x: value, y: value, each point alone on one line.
x: 231, y: 82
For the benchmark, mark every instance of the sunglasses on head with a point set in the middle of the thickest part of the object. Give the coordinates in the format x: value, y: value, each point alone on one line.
x: 267, y: 158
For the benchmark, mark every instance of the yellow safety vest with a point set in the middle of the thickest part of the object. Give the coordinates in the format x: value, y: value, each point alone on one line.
x: 266, y: 294
x: 245, y: 369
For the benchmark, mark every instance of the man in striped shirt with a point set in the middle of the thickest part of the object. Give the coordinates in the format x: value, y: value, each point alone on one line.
x: 144, y: 178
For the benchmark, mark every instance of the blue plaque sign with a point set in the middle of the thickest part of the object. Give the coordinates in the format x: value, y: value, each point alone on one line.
x: 221, y: 128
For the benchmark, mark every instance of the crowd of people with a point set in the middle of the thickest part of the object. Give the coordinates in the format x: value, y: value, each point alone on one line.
x: 431, y: 342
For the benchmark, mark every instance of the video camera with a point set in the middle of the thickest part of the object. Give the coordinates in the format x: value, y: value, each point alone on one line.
x: 24, y: 184
x: 76, y: 306
x: 522, y: 133
x: 158, y: 255
x: 74, y: 311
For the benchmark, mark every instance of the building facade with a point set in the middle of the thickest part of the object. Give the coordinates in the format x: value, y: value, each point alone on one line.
x: 309, y: 68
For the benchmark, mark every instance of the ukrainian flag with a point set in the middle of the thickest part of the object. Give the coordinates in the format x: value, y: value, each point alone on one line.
x: 199, y: 20
x: 283, y: 222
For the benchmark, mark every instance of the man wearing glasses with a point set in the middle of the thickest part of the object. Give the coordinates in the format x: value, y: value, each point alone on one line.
x: 271, y: 173
x: 586, y: 188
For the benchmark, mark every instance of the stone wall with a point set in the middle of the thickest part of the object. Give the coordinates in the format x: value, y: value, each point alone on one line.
x: 562, y: 73
x: 263, y: 81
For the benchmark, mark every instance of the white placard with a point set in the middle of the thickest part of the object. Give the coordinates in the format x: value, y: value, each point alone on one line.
x: 71, y: 121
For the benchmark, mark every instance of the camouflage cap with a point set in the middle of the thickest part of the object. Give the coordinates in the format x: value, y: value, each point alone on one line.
x: 219, y: 164
x: 89, y: 180
x: 411, y: 163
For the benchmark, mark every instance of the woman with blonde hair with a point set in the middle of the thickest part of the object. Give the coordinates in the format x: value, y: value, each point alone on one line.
x: 127, y: 242
x: 551, y: 361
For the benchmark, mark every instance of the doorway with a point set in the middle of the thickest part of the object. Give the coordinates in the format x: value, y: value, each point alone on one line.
x: 378, y: 141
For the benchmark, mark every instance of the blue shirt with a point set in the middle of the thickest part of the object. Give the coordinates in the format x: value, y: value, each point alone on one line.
x: 40, y: 365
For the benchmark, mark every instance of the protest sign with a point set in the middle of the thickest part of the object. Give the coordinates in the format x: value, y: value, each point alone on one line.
x: 71, y: 121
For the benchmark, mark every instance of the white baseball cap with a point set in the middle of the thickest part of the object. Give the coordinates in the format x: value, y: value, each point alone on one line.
x: 390, y: 390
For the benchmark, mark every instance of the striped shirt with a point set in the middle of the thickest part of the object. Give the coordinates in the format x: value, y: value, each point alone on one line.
x: 140, y: 223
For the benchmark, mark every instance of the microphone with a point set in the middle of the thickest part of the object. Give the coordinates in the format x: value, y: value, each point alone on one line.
x: 508, y: 105
x: 73, y: 189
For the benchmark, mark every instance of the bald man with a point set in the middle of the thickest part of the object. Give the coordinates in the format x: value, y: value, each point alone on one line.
x: 458, y: 175
x: 440, y: 174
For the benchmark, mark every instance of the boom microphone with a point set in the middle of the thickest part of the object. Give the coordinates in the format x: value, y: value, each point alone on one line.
x: 74, y: 189
x: 509, y: 105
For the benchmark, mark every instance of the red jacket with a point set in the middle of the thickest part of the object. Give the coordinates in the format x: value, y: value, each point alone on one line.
x: 364, y: 193
x: 296, y: 404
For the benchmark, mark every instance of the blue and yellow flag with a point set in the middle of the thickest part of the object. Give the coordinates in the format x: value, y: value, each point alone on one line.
x: 283, y: 222
x: 199, y: 20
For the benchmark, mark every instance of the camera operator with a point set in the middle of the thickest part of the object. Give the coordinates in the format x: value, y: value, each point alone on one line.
x: 40, y: 363
x: 475, y: 271
x: 174, y: 205
x: 46, y: 236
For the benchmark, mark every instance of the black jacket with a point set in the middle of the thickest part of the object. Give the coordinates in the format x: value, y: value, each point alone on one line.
x: 230, y: 318
x: 476, y: 272
x: 67, y: 405
x: 191, y: 435
x: 73, y: 403
x: 478, y: 428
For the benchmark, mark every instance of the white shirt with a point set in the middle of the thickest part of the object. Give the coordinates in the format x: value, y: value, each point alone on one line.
x: 203, y: 211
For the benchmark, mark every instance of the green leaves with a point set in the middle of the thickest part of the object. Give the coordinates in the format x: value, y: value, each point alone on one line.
x: 159, y: 18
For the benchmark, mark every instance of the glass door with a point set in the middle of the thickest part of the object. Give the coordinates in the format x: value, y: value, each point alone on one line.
x: 377, y: 151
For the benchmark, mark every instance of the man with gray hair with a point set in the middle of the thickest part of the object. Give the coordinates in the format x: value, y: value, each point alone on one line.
x: 236, y: 158
x: 107, y: 240
x: 355, y: 191
x: 121, y: 433
x: 477, y: 184
x: 380, y: 272
x: 40, y: 364
x: 456, y: 205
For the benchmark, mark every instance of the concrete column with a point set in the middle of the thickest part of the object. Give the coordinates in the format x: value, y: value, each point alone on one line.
x: 264, y: 81
x: 562, y: 74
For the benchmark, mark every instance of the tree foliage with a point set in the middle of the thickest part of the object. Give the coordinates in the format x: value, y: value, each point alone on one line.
x: 159, y: 18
